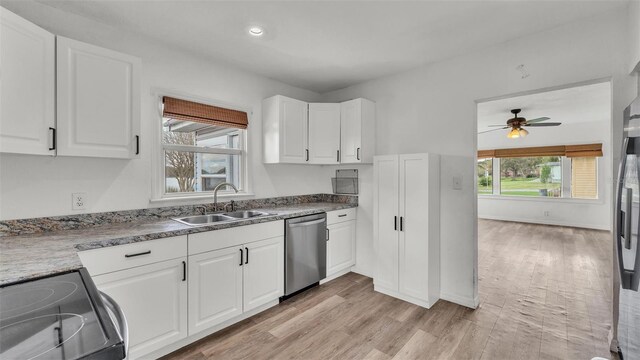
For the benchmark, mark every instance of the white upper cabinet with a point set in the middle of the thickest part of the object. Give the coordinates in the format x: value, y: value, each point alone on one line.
x: 324, y: 133
x: 27, y: 89
x: 98, y: 101
x: 285, y: 130
x: 297, y: 132
x: 357, y: 131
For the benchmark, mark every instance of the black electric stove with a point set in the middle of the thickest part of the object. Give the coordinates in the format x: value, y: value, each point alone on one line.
x: 57, y: 317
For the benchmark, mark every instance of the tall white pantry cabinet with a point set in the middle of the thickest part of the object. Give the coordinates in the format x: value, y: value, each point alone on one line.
x: 63, y: 97
x: 406, y: 212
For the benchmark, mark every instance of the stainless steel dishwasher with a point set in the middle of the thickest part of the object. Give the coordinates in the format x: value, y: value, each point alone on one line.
x: 305, y: 252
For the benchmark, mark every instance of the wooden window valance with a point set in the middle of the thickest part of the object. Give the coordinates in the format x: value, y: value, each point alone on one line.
x: 585, y: 150
x: 205, y: 114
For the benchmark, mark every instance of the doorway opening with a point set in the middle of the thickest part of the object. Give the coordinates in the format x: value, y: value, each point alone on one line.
x: 545, y: 194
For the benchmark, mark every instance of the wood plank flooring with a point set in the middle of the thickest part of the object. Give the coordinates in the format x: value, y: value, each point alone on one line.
x: 544, y: 294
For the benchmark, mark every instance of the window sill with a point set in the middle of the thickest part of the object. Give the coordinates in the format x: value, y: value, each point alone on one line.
x: 543, y: 199
x: 198, y: 198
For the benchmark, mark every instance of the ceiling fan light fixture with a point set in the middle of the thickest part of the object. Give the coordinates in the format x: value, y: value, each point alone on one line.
x: 523, y: 132
x: 513, y: 134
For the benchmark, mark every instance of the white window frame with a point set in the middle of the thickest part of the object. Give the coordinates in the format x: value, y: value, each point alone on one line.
x: 158, y: 167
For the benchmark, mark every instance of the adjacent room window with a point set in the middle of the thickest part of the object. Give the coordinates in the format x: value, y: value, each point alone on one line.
x: 203, y: 146
x: 485, y: 176
x: 584, y: 178
x: 559, y: 171
x: 531, y: 176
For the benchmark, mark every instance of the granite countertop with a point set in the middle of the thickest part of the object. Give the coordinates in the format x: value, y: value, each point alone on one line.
x: 25, y: 257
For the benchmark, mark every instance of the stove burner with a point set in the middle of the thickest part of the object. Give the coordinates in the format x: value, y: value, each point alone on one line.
x: 20, y: 301
x: 52, y: 331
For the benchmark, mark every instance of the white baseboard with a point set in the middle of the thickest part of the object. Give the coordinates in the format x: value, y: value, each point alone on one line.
x: 460, y: 300
x: 335, y: 275
x: 410, y: 299
x: 195, y: 337
x: 547, y: 222
x: 362, y: 272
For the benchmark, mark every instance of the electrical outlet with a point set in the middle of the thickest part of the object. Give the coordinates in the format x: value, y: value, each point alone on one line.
x: 546, y: 213
x: 78, y: 201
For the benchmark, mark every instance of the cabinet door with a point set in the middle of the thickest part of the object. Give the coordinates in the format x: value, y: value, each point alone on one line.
x: 293, y: 131
x: 341, y: 246
x: 154, y: 300
x: 324, y: 133
x: 414, y: 237
x: 385, y: 216
x: 263, y: 272
x: 98, y: 97
x: 27, y: 89
x: 215, y: 288
x: 350, y: 131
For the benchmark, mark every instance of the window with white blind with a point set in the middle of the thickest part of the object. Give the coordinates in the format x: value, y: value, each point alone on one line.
x: 203, y: 146
x: 584, y: 178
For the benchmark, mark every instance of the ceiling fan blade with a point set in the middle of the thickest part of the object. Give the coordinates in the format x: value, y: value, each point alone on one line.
x: 495, y: 125
x: 537, y: 120
x: 486, y: 131
x: 545, y: 124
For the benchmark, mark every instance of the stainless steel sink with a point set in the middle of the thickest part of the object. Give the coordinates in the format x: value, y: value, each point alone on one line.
x: 245, y: 214
x: 204, y: 219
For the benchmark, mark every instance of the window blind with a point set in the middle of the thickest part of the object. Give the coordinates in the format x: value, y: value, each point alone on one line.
x: 201, y: 113
x: 584, y: 150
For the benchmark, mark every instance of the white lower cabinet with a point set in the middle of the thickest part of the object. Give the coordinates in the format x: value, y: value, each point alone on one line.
x: 215, y: 288
x: 263, y: 272
x: 341, y: 249
x: 341, y: 241
x: 154, y: 300
x: 176, y: 290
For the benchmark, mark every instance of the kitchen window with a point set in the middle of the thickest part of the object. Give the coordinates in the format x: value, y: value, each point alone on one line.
x: 203, y: 146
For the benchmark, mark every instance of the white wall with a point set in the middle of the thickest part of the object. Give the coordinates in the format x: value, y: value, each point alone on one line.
x: 33, y: 186
x: 594, y: 214
x: 433, y: 109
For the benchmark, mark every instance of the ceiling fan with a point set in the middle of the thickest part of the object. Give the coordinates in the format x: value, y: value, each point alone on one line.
x: 516, y: 125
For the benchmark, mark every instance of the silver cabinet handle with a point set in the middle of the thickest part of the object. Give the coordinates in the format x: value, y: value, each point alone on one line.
x: 358, y: 153
x: 119, y: 318
x: 342, y: 215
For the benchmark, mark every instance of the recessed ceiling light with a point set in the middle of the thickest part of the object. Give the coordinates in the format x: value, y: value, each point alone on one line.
x: 256, y: 31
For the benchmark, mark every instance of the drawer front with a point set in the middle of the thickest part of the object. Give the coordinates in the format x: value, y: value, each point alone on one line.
x: 120, y: 257
x: 235, y: 236
x: 339, y: 216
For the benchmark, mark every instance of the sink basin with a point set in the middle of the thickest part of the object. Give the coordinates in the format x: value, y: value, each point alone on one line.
x: 204, y: 219
x: 245, y: 214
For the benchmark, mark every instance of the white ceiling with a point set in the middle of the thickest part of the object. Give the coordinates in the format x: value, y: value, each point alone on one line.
x: 576, y: 105
x: 323, y: 45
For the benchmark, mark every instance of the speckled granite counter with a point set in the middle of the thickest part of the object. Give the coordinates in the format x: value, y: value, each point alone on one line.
x: 30, y: 256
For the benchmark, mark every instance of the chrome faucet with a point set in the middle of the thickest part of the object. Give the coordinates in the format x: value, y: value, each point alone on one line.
x: 215, y: 193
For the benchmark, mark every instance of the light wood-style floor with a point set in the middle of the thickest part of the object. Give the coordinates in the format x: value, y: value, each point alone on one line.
x: 544, y: 294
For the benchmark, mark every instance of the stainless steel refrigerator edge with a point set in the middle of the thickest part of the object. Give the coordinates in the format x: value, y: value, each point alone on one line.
x: 626, y: 239
x: 305, y: 252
